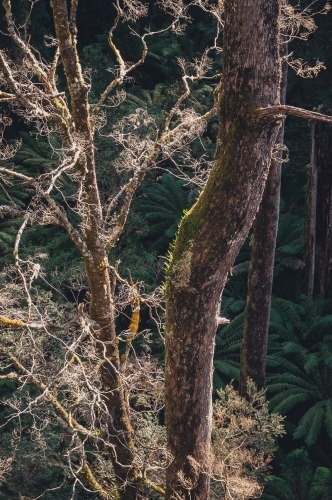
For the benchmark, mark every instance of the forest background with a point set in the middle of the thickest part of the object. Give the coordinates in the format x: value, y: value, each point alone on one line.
x: 299, y: 371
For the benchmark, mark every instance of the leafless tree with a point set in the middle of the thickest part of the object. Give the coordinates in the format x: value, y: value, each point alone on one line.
x: 89, y: 386
x: 91, y: 389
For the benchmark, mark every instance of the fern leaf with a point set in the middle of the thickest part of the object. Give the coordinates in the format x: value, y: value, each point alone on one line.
x: 282, y: 403
x: 311, y: 424
x: 328, y: 417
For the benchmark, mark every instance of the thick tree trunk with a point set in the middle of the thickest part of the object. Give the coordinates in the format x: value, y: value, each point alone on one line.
x: 319, y: 221
x: 260, y: 279
x: 212, y: 233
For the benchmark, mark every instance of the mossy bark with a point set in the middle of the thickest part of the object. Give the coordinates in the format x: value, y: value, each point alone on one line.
x: 212, y: 233
x: 260, y: 279
x: 319, y: 220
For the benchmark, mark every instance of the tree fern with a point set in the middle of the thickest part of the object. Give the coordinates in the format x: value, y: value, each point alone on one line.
x: 298, y: 480
x: 299, y: 372
x: 227, y: 353
x: 311, y: 423
x: 162, y: 206
x: 321, y: 486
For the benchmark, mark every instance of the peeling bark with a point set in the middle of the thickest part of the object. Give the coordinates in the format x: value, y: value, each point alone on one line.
x: 212, y: 233
x: 260, y: 279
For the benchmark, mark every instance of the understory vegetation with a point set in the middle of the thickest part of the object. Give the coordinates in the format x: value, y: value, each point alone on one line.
x: 283, y: 437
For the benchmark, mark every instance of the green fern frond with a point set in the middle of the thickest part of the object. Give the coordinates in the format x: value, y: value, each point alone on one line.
x: 279, y: 488
x: 322, y: 325
x: 290, y: 312
x: 227, y: 368
x: 287, y: 400
x: 311, y: 423
x: 291, y: 249
x: 286, y: 367
x: 328, y: 417
x: 312, y: 362
x: 232, y: 331
x: 321, y: 486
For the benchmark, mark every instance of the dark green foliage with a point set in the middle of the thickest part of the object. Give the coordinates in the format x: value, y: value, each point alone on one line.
x: 34, y: 157
x: 300, y: 342
x: 303, y: 363
x: 7, y: 387
x: 299, y: 480
x: 288, y: 265
x: 39, y: 464
x: 29, y: 160
x: 136, y: 261
x: 162, y: 205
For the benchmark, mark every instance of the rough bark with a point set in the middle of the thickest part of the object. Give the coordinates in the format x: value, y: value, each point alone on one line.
x: 260, y: 278
x: 319, y: 221
x: 96, y: 261
x: 212, y: 233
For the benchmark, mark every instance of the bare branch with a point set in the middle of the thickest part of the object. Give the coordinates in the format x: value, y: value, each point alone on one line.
x: 72, y: 17
x: 5, y: 97
x: 291, y: 110
x: 302, y: 69
x: 74, y: 235
x: 38, y: 67
x: 13, y: 211
x: 42, y: 388
x: 16, y: 174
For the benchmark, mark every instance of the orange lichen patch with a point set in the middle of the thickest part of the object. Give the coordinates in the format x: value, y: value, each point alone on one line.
x: 135, y: 316
x: 11, y: 323
x: 134, y: 320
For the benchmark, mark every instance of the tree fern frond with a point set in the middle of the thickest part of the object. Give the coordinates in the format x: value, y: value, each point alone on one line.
x: 290, y: 312
x: 293, y: 348
x: 291, y: 249
x: 311, y: 424
x: 227, y: 368
x: 322, y: 325
x: 135, y: 100
x: 282, y: 403
x: 279, y: 488
x: 328, y: 417
x: 286, y: 366
x: 321, y: 486
x: 233, y: 330
x: 311, y: 363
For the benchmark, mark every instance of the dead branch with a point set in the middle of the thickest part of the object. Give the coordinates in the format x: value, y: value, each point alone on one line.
x: 294, y: 111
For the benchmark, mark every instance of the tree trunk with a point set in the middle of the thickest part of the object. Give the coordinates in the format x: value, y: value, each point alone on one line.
x: 260, y: 279
x: 96, y: 261
x: 319, y: 221
x: 212, y: 233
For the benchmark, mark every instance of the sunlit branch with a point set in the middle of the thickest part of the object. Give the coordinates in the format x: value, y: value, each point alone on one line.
x: 294, y: 111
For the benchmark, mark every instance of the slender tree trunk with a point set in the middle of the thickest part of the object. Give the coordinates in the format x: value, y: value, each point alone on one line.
x: 96, y: 261
x: 311, y: 216
x: 212, y: 233
x: 319, y: 220
x: 260, y: 279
